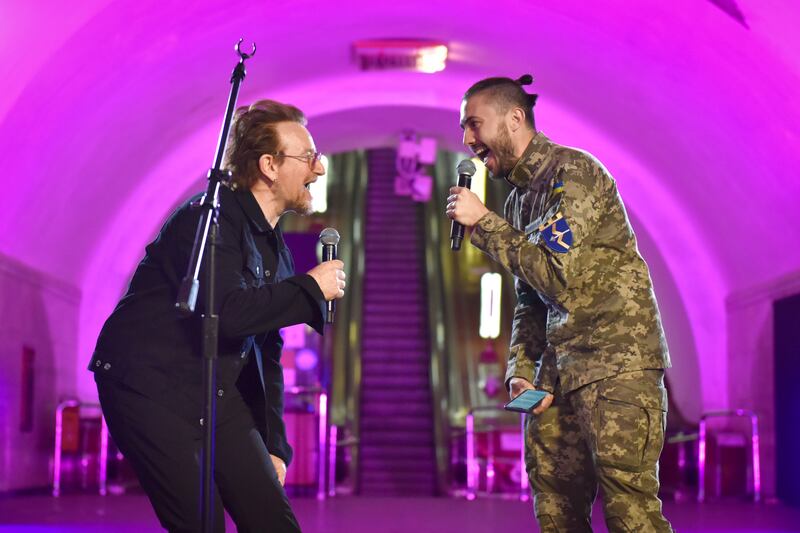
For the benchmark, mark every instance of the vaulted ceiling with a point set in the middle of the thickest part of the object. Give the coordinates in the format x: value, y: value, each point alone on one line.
x: 110, y: 109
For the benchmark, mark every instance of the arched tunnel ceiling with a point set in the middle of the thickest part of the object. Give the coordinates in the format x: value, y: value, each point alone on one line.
x: 707, y: 104
x: 110, y: 110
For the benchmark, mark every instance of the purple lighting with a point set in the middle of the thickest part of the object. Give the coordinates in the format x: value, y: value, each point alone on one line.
x: 701, y: 450
x: 306, y: 359
x: 693, y: 106
x: 472, y: 461
x: 755, y: 457
x: 322, y: 433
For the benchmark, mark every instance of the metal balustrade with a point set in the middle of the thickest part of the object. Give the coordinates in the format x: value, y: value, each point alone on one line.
x: 755, y: 463
x: 58, y: 453
x: 326, y: 443
x: 473, y: 464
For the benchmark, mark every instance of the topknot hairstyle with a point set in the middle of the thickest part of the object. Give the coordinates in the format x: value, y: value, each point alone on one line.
x: 507, y: 93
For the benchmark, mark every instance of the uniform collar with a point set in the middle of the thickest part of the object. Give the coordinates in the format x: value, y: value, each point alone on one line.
x: 528, y: 165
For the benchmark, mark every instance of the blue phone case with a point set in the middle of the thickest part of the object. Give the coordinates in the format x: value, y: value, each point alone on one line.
x: 525, y: 402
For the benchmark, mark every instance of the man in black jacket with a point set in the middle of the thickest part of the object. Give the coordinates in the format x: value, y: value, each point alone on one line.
x: 147, y: 362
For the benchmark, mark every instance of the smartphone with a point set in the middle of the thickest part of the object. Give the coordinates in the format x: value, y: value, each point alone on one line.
x: 526, y: 401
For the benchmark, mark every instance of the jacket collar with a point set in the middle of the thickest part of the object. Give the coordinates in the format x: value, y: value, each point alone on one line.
x: 252, y: 210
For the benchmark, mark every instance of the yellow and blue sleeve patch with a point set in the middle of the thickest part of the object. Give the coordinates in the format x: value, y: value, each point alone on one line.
x: 556, y: 234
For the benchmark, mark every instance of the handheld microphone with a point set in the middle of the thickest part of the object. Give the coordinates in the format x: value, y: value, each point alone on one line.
x: 330, y: 241
x: 466, y: 169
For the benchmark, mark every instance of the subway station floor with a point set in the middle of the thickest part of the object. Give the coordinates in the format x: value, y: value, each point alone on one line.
x: 131, y: 513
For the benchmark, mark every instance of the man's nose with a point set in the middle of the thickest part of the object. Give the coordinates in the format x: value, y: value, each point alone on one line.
x: 468, y: 139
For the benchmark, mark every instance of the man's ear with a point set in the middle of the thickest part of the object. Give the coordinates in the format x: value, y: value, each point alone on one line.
x: 268, y: 165
x: 516, y: 118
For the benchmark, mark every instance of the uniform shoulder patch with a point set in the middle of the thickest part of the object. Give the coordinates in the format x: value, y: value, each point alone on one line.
x: 556, y: 234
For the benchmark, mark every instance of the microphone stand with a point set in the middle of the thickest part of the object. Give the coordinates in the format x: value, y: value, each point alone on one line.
x: 208, y: 234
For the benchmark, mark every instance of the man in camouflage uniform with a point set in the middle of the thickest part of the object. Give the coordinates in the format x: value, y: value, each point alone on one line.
x: 586, y: 326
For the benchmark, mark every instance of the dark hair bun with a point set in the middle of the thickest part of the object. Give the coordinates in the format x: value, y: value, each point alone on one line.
x: 525, y: 79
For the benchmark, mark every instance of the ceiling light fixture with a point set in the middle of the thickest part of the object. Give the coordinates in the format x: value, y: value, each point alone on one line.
x: 401, y: 54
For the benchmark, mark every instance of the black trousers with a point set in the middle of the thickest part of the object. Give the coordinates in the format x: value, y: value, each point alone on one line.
x: 164, y: 451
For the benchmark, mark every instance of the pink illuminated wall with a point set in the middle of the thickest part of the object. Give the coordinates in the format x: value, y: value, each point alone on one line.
x: 110, y: 109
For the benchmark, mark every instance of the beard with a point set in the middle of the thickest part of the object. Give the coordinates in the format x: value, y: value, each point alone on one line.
x: 503, y: 149
x: 301, y: 205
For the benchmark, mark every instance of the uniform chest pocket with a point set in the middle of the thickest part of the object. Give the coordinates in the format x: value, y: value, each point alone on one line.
x: 254, y: 269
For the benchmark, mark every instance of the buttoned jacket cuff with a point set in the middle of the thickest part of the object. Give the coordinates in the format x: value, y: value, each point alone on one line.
x: 519, y: 366
x: 282, y: 451
x: 316, y: 300
x: 547, y: 373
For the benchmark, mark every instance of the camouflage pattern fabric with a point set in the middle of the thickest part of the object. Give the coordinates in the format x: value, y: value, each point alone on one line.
x: 610, y: 433
x: 585, y: 304
x: 586, y: 327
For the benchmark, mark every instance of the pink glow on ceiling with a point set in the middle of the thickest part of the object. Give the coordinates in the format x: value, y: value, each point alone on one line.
x: 112, y: 115
x: 664, y: 218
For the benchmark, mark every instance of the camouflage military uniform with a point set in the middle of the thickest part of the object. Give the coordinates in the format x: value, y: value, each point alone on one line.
x: 587, y: 325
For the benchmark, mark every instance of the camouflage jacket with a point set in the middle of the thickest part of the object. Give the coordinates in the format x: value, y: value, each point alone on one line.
x: 585, y: 304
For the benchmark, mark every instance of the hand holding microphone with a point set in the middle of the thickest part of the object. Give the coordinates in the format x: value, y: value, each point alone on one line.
x: 330, y: 278
x: 329, y: 274
x: 463, y: 206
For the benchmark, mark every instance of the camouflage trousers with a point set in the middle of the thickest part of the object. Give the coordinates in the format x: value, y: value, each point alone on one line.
x: 608, y: 434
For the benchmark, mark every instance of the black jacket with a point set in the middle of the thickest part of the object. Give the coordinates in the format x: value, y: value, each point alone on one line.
x: 147, y: 346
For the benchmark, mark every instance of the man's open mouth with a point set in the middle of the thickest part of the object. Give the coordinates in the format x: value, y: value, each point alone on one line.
x: 482, y: 153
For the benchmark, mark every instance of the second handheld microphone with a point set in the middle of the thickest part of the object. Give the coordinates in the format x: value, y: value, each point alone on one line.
x: 330, y: 241
x: 466, y: 169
